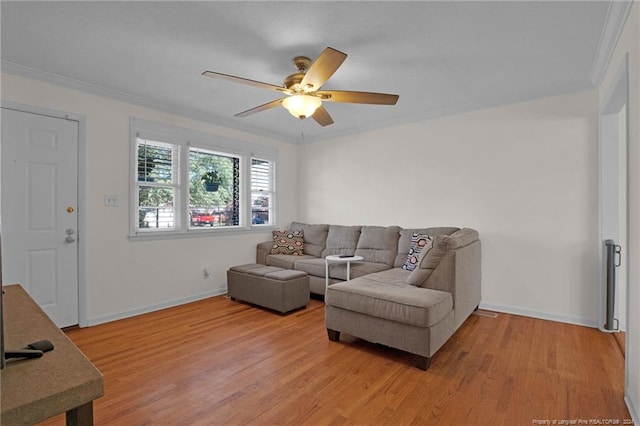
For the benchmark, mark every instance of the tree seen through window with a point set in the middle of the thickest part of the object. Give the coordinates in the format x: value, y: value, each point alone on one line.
x: 219, y: 207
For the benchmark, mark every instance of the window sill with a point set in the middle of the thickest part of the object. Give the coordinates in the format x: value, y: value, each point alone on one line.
x: 199, y: 233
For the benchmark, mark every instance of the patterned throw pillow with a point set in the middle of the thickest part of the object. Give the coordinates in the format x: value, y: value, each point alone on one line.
x: 419, y: 242
x: 288, y: 242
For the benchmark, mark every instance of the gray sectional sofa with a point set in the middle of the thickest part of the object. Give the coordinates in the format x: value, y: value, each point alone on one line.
x: 415, y: 311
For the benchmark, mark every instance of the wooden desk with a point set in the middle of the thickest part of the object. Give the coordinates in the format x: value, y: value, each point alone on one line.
x: 62, y: 380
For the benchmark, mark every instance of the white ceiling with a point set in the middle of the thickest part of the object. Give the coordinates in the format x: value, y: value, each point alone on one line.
x: 440, y: 57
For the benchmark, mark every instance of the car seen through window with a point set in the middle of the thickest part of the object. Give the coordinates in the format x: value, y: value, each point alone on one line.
x: 203, y: 218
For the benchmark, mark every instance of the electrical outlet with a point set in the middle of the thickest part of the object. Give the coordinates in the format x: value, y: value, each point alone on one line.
x: 206, y: 273
x: 111, y: 200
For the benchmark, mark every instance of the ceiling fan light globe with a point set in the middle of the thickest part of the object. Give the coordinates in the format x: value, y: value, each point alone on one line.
x: 301, y: 106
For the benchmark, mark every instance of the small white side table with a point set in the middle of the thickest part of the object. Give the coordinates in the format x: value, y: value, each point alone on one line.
x: 338, y: 259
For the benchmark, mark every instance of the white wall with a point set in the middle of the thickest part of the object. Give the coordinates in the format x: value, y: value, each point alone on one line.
x: 525, y: 176
x: 629, y: 44
x: 119, y: 277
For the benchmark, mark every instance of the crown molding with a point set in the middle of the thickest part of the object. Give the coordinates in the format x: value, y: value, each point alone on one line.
x: 93, y: 89
x: 613, y: 24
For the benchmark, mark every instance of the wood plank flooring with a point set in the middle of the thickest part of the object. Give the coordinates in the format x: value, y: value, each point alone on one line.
x: 218, y: 362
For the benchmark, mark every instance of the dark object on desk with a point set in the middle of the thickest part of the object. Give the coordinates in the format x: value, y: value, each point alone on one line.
x: 345, y: 255
x: 41, y: 345
x: 21, y: 353
x: 32, y: 350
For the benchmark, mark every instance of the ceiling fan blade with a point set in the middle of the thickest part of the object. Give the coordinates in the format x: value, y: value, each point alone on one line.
x: 260, y: 108
x: 322, y: 116
x: 246, y: 81
x: 322, y: 68
x: 358, y: 97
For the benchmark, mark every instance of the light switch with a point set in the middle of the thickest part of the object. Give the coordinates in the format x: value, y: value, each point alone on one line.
x: 111, y: 200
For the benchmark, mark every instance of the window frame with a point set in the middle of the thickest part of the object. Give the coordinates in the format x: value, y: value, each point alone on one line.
x: 175, y: 184
x: 271, y: 191
x: 185, y: 140
x: 229, y: 153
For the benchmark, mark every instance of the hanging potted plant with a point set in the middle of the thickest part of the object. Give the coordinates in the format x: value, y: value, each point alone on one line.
x: 211, y: 181
x: 145, y: 167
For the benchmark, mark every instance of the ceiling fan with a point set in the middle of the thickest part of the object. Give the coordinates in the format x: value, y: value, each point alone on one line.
x: 303, y: 88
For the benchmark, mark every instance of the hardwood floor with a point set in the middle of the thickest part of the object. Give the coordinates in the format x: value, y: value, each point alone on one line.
x: 620, y: 336
x: 218, y: 362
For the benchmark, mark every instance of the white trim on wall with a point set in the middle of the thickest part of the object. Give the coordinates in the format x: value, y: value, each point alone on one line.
x: 539, y: 315
x: 610, y: 110
x: 614, y: 23
x: 155, y: 307
x: 633, y: 410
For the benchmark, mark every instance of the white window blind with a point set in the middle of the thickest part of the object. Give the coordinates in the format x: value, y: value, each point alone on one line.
x: 262, y: 193
x: 157, y: 185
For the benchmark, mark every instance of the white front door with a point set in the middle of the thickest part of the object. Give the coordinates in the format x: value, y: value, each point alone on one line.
x: 39, y: 210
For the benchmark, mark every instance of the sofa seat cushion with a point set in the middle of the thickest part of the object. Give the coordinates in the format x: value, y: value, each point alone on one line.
x: 286, y: 261
x: 358, y: 269
x: 313, y: 266
x: 395, y: 276
x: 391, y: 300
x: 317, y: 268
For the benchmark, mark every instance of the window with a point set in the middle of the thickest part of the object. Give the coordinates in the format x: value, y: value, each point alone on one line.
x: 214, y: 188
x: 261, y: 191
x: 188, y: 182
x: 156, y: 184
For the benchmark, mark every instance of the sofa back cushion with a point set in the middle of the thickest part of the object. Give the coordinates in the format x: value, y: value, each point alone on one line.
x: 404, y: 243
x: 378, y: 244
x: 341, y: 240
x: 315, y: 237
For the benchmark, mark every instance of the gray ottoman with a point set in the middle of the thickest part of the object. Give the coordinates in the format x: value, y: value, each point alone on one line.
x: 282, y: 290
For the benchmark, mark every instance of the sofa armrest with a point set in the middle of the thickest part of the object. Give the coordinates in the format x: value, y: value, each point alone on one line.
x: 459, y: 273
x: 262, y: 251
x: 461, y: 238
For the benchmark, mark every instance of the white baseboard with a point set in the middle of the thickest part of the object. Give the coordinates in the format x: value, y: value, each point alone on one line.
x: 539, y: 315
x: 152, y: 308
x: 633, y: 410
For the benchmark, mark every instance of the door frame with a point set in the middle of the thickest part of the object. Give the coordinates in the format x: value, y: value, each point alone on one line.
x: 80, y: 208
x: 616, y: 96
